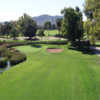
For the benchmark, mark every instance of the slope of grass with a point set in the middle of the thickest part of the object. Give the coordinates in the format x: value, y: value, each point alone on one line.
x: 69, y: 75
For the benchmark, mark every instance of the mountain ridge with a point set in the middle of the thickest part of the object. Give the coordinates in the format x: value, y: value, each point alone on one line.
x: 45, y: 17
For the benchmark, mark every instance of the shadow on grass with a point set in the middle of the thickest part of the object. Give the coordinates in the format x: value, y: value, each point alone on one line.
x: 97, y: 45
x: 36, y: 45
x: 97, y: 52
x: 84, y: 50
x: 32, y: 39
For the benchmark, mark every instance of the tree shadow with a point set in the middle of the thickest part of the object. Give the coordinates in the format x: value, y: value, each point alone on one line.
x: 97, y: 52
x: 32, y: 39
x: 97, y: 45
x: 36, y: 45
x: 84, y: 50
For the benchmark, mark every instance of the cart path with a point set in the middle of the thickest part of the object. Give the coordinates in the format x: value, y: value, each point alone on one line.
x: 96, y: 50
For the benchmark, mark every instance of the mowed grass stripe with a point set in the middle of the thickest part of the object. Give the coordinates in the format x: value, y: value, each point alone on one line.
x: 44, y: 76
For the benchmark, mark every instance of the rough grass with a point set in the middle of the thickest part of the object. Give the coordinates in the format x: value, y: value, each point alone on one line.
x: 69, y: 75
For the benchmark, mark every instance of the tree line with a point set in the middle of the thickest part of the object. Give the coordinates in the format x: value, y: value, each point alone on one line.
x: 74, y: 28
x: 25, y: 26
x: 71, y: 26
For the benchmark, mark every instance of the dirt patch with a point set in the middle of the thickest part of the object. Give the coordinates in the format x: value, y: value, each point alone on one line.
x: 54, y: 50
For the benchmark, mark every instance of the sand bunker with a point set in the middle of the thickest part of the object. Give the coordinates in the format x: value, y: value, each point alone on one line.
x: 55, y: 50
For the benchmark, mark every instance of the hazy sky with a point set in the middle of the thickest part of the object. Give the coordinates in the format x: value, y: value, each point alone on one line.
x: 12, y: 9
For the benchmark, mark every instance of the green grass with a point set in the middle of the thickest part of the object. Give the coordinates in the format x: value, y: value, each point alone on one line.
x: 97, y: 42
x: 51, y: 32
x: 69, y: 75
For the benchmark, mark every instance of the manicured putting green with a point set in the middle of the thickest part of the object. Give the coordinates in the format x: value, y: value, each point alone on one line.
x: 69, y: 75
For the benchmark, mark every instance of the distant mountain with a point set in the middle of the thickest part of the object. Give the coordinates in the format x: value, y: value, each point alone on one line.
x: 43, y: 18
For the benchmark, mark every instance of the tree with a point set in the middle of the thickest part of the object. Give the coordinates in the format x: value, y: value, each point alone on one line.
x: 0, y: 29
x: 47, y: 25
x: 14, y: 33
x: 5, y: 28
x: 28, y: 26
x: 87, y: 26
x: 72, y: 24
x: 59, y: 24
x: 14, y: 30
x: 54, y: 26
x: 41, y: 33
x: 92, y: 11
x: 92, y: 8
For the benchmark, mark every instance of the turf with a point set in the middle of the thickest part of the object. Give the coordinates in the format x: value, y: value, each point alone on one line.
x: 98, y: 43
x: 51, y: 32
x: 69, y: 75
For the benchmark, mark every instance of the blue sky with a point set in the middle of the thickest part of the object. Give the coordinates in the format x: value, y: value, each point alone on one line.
x: 12, y: 9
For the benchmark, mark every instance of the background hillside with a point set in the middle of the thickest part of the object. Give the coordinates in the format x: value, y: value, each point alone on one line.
x: 43, y: 18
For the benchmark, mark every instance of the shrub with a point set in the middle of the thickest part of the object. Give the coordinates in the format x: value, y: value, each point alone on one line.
x: 11, y: 54
x: 17, y: 58
x: 5, y: 52
x: 2, y: 50
x: 3, y: 62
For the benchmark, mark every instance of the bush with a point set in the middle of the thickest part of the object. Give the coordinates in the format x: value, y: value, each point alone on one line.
x: 17, y: 58
x: 3, y: 62
x: 11, y: 54
x: 4, y: 52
